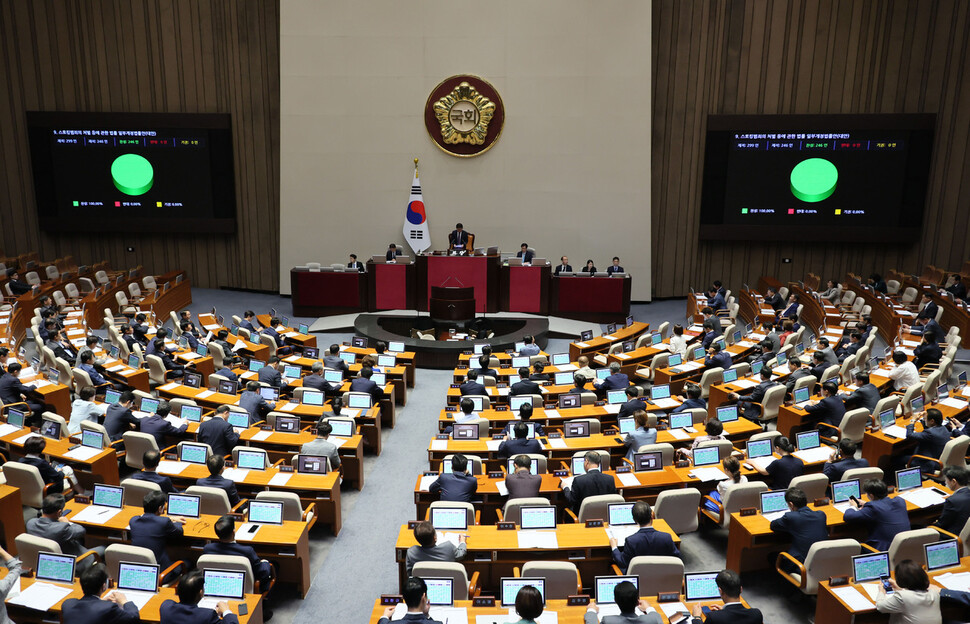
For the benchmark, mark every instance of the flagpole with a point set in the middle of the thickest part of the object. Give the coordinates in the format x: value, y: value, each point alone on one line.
x: 415, y: 168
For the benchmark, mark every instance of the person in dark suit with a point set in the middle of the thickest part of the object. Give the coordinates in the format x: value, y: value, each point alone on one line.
x: 928, y: 352
x: 354, y: 264
x: 716, y: 301
x: 799, y: 370
x: 615, y: 267
x: 520, y: 444
x: 538, y: 374
x: 709, y: 334
x: 13, y: 391
x: 733, y: 611
x: 773, y: 299
x: 152, y: 529
x: 118, y: 418
x: 785, y: 468
x: 522, y: 483
x: 525, y: 415
x: 270, y: 374
x: 708, y: 313
x: 150, y: 462
x: 590, y: 268
x: 190, y: 340
x: 216, y: 464
x: 281, y: 348
x: 115, y: 608
x: 87, y: 365
x: 791, y: 309
x: 524, y: 385
x: 633, y: 405
x: 829, y: 410
x: 929, y: 328
x: 884, y: 516
x: 483, y: 366
x: 855, y: 343
x: 956, y: 507
x: 865, y: 395
x: 173, y: 370
x: 648, y: 541
x: 249, y: 322
x: 34, y: 456
x: 525, y: 254
x: 929, y: 309
x: 156, y: 425
x: 254, y: 403
x: 616, y: 380
x: 746, y: 402
x: 877, y: 283
x: 458, y: 239
x: 592, y: 483
x: 416, y: 598
x: 128, y: 336
x: 958, y: 289
x: 60, y: 347
x: 68, y: 535
x: 391, y: 254
x: 218, y: 433
x: 929, y: 442
x: 957, y: 598
x: 818, y: 365
x: 627, y: 599
x: 187, y: 609
x: 315, y: 381
x: 691, y: 399
x: 458, y: 486
x: 227, y: 372
x: 716, y: 358
x: 804, y: 525
x: 564, y: 266
x: 529, y: 346
x: 334, y: 361
x: 842, y: 459
x: 139, y: 329
x: 364, y: 384
x: 222, y: 339
x: 225, y: 528
x: 155, y: 347
x: 17, y: 286
x: 471, y: 385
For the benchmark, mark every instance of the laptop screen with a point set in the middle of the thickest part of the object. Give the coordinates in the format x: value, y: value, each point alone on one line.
x: 736, y: 336
x: 942, y: 391
x: 756, y: 367
x: 606, y: 586
x: 266, y: 512
x: 148, y: 405
x: 313, y: 398
x: 701, y: 586
x: 516, y: 402
x: 730, y: 375
x: 51, y: 429
x: 137, y: 576
x: 681, y: 420
x: 256, y: 365
x: 537, y: 517
x: 92, y: 439
x: 386, y: 360
x: 192, y: 413
x: 870, y: 567
x: 379, y: 378
x: 578, y: 466
x: 675, y: 360
x: 342, y: 427
x: 511, y: 587
x: 576, y: 429
x: 727, y: 413
x: 628, y: 346
x: 807, y: 440
x: 656, y: 339
x: 193, y: 453
x: 939, y: 555
x: 569, y: 401
x: 270, y: 394
x: 773, y: 501
x: 611, y: 328
x: 15, y: 418
x: 358, y: 341
x: 359, y: 401
x: 441, y: 592
x: 311, y: 464
x: 185, y: 505
x: 445, y: 518
x: 559, y: 359
x: 228, y: 387
x: 288, y: 424
x: 192, y: 380
x: 350, y: 358
x: 915, y: 406
x: 706, y: 456
x: 908, y: 479
x: 660, y: 392
x: 564, y: 379
x: 292, y: 372
x: 303, y: 328
x: 842, y: 491
x: 478, y: 403
x: 395, y: 347
x: 108, y: 495
x: 466, y: 431
x: 628, y: 425
x: 333, y: 376
x: 251, y: 458
x: 620, y: 514
x: 781, y: 358
x: 55, y: 567
x: 602, y: 373
x: 520, y: 361
x: 645, y: 462
x: 533, y: 466
x: 759, y: 448
x: 586, y: 335
x: 111, y: 396
x: 133, y: 361
x: 224, y: 584
x: 887, y: 418
x: 479, y: 347
x: 697, y: 353
x: 801, y: 394
x: 615, y: 397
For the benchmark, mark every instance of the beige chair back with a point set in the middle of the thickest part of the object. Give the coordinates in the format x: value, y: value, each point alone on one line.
x: 136, y: 444
x: 445, y: 569
x: 741, y: 495
x: 562, y: 577
x: 814, y: 485
x: 909, y: 545
x: 660, y: 574
x: 665, y: 448
x: 853, y: 424
x: 28, y: 547
x: 863, y: 474
x: 596, y: 507
x: 213, y: 501
x: 292, y: 507
x: 27, y: 479
x: 475, y: 465
x: 827, y: 559
x: 136, y: 490
x: 678, y: 508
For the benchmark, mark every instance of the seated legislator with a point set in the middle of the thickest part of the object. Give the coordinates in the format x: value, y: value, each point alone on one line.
x: 799, y: 368
x: 911, y: 599
x: 152, y: 529
x: 14, y: 567
x: 391, y: 254
x: 458, y: 239
x: 715, y: 321
x: 525, y: 415
x: 855, y: 343
x: 115, y: 608
x: 956, y: 507
x: 773, y: 299
x: 904, y: 374
x: 928, y: 352
x: 748, y: 401
x: 85, y: 409
x: 216, y: 464
x: 150, y: 462
x: 579, y: 385
x: 140, y: 329
x: 187, y: 610
x: 270, y: 374
x: 68, y: 535
x: 322, y: 446
x: 156, y: 425
x: 457, y: 486
x: 929, y: 442
x: 427, y: 548
x: 632, y: 405
x: 883, y: 516
x: 218, y: 433
x: 226, y: 370
x: 584, y: 368
x: 186, y: 315
x: 928, y: 308
x: 785, y: 468
x: 281, y: 349
x: 87, y: 365
x: 865, y: 395
x: 316, y: 381
x: 615, y: 267
x: 832, y: 292
x: 717, y: 358
x: 648, y: 541
x: 592, y: 483
x: 843, y: 458
x: 254, y: 403
x: 34, y: 456
x: 364, y: 383
x: 529, y: 346
x: 118, y: 418
x: 354, y: 264
x: 524, y: 385
x: 249, y: 321
x: 709, y: 333
x: 471, y: 385
x: 157, y: 348
x: 483, y: 366
x: 222, y: 339
x: 17, y: 286
x: 416, y: 598
x: 691, y: 399
x: 520, y: 444
x: 733, y: 611
x: 641, y: 435
x: 522, y: 483
x: 927, y: 327
x: 627, y: 599
x: 589, y: 268
x: 525, y: 254
x: 61, y: 347
x: 191, y: 341
x: 829, y: 409
x: 616, y: 380
x: 564, y: 266
x: 804, y: 525
x: 333, y: 359
x: 715, y: 300
x: 13, y: 391
x: 225, y: 528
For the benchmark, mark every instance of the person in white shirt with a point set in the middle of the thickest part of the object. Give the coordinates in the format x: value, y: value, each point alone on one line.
x: 465, y: 415
x: 584, y: 368
x: 678, y: 342
x: 84, y: 408
x: 904, y: 374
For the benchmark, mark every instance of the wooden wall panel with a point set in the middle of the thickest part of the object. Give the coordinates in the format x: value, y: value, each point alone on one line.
x: 187, y: 56
x: 804, y: 56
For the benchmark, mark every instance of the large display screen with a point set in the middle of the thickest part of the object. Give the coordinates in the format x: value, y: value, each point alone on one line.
x: 127, y: 172
x: 816, y: 177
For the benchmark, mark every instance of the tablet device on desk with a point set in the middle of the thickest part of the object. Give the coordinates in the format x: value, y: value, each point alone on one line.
x: 228, y: 387
x: 800, y: 395
x: 303, y: 328
x: 576, y: 429
x: 773, y: 501
x: 942, y: 391
x: 233, y: 329
x: 537, y: 517
x: 533, y: 466
x: 292, y: 372
x: 730, y: 376
x: 55, y: 567
x: 675, y: 360
x: 520, y: 361
x: 628, y: 346
x: 727, y: 413
x: 51, y: 429
x: 620, y: 514
x: 511, y: 587
x: 92, y: 439
x: 441, y: 591
x: 192, y: 380
x: 701, y: 586
x: 465, y: 431
x: 940, y: 555
x: 660, y: 392
x: 266, y: 512
x: 781, y: 358
x: 350, y: 358
x: 564, y: 379
x: 577, y: 465
x: 887, y: 418
x: 559, y: 359
x: 137, y: 577
x: 364, y: 401
x: 449, y: 518
x: 203, y: 350
x: 602, y: 373
x: 759, y: 448
x: 193, y: 453
x: 358, y: 341
x: 312, y: 464
x: 184, y: 505
x: 908, y: 479
x: 697, y: 353
x: 312, y: 353
x: 386, y: 360
x: 843, y: 491
x: 706, y: 456
x: 270, y: 394
x: 681, y: 420
x: 807, y: 440
x: 192, y: 413
x: 569, y: 401
x: 344, y: 427
x: 148, y: 405
x: 219, y: 585
x: 379, y: 378
x: 134, y: 361
x: 516, y: 402
x: 114, y: 351
x: 313, y: 398
x: 586, y: 336
x: 606, y: 586
x: 333, y: 376
x: 616, y: 397
x: 915, y: 406
x: 288, y: 424
x: 255, y: 365
x: 478, y: 402
x: 656, y: 339
x: 645, y: 462
x: 252, y: 459
x: 395, y: 347
x: 15, y: 417
x: 478, y: 347
x: 870, y: 567
x: 108, y: 495
x: 756, y: 367
x: 627, y: 424
x: 611, y: 328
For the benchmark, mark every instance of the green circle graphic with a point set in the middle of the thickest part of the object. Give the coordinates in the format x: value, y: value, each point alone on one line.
x: 132, y: 174
x: 814, y: 179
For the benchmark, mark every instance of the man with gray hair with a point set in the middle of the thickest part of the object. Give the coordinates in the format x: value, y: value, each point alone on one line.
x: 316, y: 381
x: 616, y: 380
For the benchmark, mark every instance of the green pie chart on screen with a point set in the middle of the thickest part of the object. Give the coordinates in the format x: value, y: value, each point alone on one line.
x: 132, y: 174
x: 814, y: 179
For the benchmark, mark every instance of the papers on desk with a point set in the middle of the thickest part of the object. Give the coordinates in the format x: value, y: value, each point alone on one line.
x: 895, y: 431
x: 448, y: 615
x: 140, y: 598
x: 695, y: 328
x: 243, y: 534
x: 248, y: 375
x: 205, y: 394
x: 767, y: 311
x: 582, y: 345
x: 689, y: 366
x: 502, y: 488
x: 670, y: 608
x: 774, y: 515
x: 707, y: 474
x: 911, y: 343
x: 493, y: 445
x: 537, y: 539
x: 212, y: 328
x: 679, y: 434
x: 6, y: 429
x: 139, y: 415
x: 337, y: 440
x: 923, y: 497
x: 565, y: 368
x: 439, y: 445
x: 552, y: 413
x: 235, y: 474
x: 425, y: 484
x: 666, y: 403
x: 613, y: 409
x: 803, y: 404
x: 566, y: 482
x: 503, y: 391
x: 95, y: 514
x: 745, y: 344
x: 557, y: 443
x: 953, y: 402
x: 906, y: 351
x: 42, y: 596
x: 448, y: 536
x: 281, y: 478
x: 172, y: 467
x: 852, y: 598
x: 289, y: 407
x: 24, y: 438
x: 842, y: 507
x: 761, y: 462
x: 175, y: 421
x: 623, y: 356
x: 40, y: 383
x: 756, y: 336
x: 168, y: 386
x: 817, y: 454
x: 781, y: 370
x: 628, y: 479
x: 82, y: 453
x: 261, y: 435
x: 872, y: 589
x: 966, y: 391
x: 957, y: 581
x: 189, y: 355
x: 609, y: 337
x: 115, y: 369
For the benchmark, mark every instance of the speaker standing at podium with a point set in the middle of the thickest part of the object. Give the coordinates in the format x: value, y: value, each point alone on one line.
x: 458, y: 239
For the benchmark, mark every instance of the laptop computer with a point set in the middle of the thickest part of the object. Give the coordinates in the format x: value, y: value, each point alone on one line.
x: 386, y: 360
x: 586, y: 336
x: 251, y: 459
x: 843, y: 491
x: 648, y: 461
x: 238, y: 420
x: 228, y: 387
x: 55, y: 567
x: 611, y: 328
x: 15, y: 418
x: 870, y: 567
x: 149, y: 406
x: 697, y: 353
x: 441, y: 591
x: 605, y: 588
x: 701, y: 586
x: 577, y: 465
x: 627, y: 424
x: 537, y: 517
x: 559, y: 359
x: 111, y: 396
x: 313, y: 398
x: 576, y: 429
x: 184, y: 505
x: 311, y: 464
x: 773, y: 504
x: 916, y: 405
x: 660, y: 392
x: 759, y: 453
x: 616, y: 397
x: 478, y: 402
x: 908, y: 479
x: 270, y: 393
x: 756, y: 367
x: 512, y: 585
x: 478, y: 348
x: 219, y: 585
x: 656, y: 339
x: 449, y: 518
x: 564, y: 379
x: 92, y: 439
x: 730, y: 376
x: 727, y: 413
x: 138, y: 581
x: 465, y: 431
x: 682, y: 420
x: 287, y: 424
x: 193, y: 453
x: 364, y: 401
x: 265, y: 512
x: 801, y: 396
x: 342, y: 427
x: 255, y: 365
x: 192, y: 380
x: 51, y: 429
x: 350, y: 358
x: 706, y: 456
x: 333, y: 376
x: 395, y: 347
x: 379, y: 378
x: 941, y: 555
x: 569, y: 401
x: 134, y: 361
x: 675, y: 360
x: 520, y: 361
x: 112, y: 496
x: 810, y: 447
x: 516, y: 402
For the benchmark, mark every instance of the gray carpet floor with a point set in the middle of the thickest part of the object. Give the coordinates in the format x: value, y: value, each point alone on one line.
x: 351, y: 571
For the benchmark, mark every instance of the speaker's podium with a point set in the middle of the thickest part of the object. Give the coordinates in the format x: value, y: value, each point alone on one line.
x: 478, y: 272
x: 452, y: 303
x: 391, y: 284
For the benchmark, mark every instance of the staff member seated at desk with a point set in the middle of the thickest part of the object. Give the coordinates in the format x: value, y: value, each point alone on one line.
x: 616, y: 380
x: 564, y: 266
x: 525, y: 254
x: 716, y: 358
x: 520, y: 444
x: 904, y: 374
x: 187, y: 609
x: 416, y: 598
x: 884, y: 516
x: 633, y: 405
x: 830, y: 409
x: 427, y: 548
x: 150, y: 462
x: 458, y: 486
x: 615, y: 267
x: 322, y: 446
x: 691, y: 399
x: 68, y: 535
x: 733, y: 612
x: 912, y: 599
x: 804, y: 525
x: 648, y: 541
x: 627, y: 598
x: 115, y: 608
x: 590, y: 267
x: 524, y: 385
x: 785, y: 468
x: 865, y: 395
x: 842, y: 459
x: 365, y: 384
x: 354, y: 264
x: 458, y: 239
x: 593, y: 483
x: 152, y: 530
x: 315, y: 381
x: 218, y: 433
x: 333, y: 359
x: 709, y: 334
x: 753, y: 396
x: 522, y: 483
x: 525, y: 415
x: 216, y: 464
x: 928, y: 352
x: 13, y: 391
x: 930, y: 441
x: 53, y: 476
x: 641, y: 436
x: 471, y: 385
x: 225, y: 529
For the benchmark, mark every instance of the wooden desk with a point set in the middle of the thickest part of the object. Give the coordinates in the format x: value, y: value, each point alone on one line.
x: 284, y: 445
x: 601, y: 344
x: 595, y: 299
x: 525, y: 289
x: 297, y: 339
x: 135, y: 378
x: 388, y: 413
x: 11, y: 516
x: 369, y: 421
x: 564, y: 449
x: 325, y: 293
x: 880, y: 450
x: 177, y: 297
x: 391, y: 286
x: 478, y: 272
x: 102, y: 468
x: 405, y: 358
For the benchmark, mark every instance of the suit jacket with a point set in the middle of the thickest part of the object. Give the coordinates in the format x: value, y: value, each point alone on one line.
x: 218, y: 434
x: 489, y: 372
x: 118, y: 420
x: 255, y: 404
x: 444, y: 551
x: 648, y: 541
x: 458, y: 238
x: 514, y: 446
x: 228, y: 373
x: 356, y: 265
x: 191, y: 341
x: 835, y: 470
x: 140, y: 332
x: 829, y: 410
x: 791, y: 310
x: 95, y: 376
x: 757, y: 395
x: 797, y: 374
x: 930, y: 443
x: 222, y: 483
x: 361, y: 384
x: 11, y: 390
x: 524, y: 387
x: 47, y: 472
x: 708, y: 338
x: 631, y: 618
x: 68, y: 535
x: 567, y: 268
x: 270, y: 375
x: 246, y: 324
x: 805, y: 527
x: 526, y: 256
x: 593, y: 483
x: 319, y: 446
x: 537, y: 426
x: 933, y: 330
x: 610, y: 270
x: 689, y: 404
x: 472, y: 387
x: 335, y: 362
x: 93, y: 610
x: 411, y: 618
x: 956, y: 510
x: 455, y: 487
x: 929, y: 353
x: 261, y: 569
x: 630, y: 407
x: 172, y: 612
x: 276, y: 338
x: 153, y: 477
x: 885, y: 518
x: 929, y: 311
x: 523, y: 485
x: 783, y: 470
x: 866, y: 396
x: 617, y: 381
x: 732, y: 614
x: 721, y: 359
x: 775, y: 301
x: 152, y: 532
x: 717, y: 303
x: 317, y: 382
x: 157, y: 426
